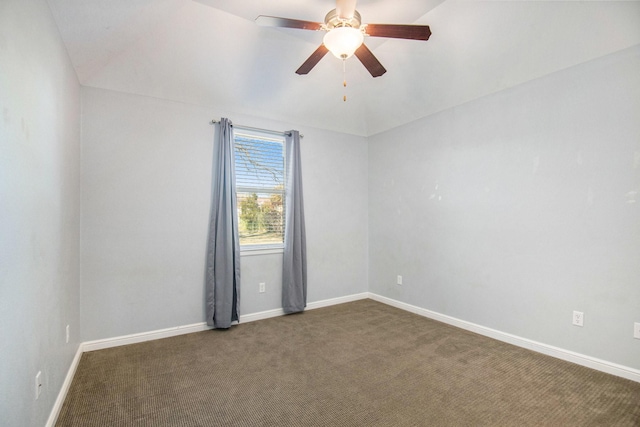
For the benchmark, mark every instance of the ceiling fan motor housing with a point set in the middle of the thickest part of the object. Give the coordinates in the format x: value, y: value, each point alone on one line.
x: 333, y: 20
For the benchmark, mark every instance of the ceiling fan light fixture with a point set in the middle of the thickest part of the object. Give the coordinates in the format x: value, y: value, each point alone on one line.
x: 342, y: 42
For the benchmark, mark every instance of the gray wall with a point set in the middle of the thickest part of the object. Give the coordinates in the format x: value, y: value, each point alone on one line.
x: 513, y: 210
x: 39, y: 211
x: 146, y: 174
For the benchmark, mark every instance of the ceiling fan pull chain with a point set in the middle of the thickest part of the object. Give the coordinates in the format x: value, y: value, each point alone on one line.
x: 344, y: 78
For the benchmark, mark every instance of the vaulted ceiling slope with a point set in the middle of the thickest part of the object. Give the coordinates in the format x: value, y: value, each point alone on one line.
x: 211, y: 53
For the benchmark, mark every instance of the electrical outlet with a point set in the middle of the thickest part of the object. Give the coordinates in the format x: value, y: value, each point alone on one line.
x: 399, y: 280
x: 578, y: 318
x: 38, y: 384
x: 636, y: 330
x: 263, y: 287
x: 67, y: 332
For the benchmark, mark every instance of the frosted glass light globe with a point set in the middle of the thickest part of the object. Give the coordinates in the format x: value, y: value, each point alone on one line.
x: 343, y: 41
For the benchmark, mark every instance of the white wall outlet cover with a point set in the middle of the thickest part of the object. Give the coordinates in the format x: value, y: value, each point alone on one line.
x: 578, y: 318
x: 262, y: 287
x: 636, y: 330
x: 67, y: 334
x: 399, y: 280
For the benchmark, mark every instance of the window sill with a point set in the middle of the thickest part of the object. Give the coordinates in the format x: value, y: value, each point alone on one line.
x: 260, y: 251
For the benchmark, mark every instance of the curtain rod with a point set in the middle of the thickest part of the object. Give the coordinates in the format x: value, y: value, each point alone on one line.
x: 213, y: 122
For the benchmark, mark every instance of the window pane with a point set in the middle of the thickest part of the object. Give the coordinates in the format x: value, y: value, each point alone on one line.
x: 259, y: 163
x: 261, y: 218
x: 260, y: 188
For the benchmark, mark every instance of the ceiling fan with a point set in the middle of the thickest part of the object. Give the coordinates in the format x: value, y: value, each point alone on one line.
x: 345, y: 35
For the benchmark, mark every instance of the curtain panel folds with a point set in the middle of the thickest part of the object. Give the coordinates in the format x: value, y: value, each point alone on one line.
x: 223, y: 245
x: 294, y: 268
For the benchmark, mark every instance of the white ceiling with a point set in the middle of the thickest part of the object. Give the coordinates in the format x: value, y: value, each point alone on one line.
x: 211, y: 53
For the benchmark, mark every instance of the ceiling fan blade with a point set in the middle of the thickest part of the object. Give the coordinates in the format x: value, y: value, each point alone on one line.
x: 412, y: 32
x: 274, y: 21
x: 345, y: 8
x: 369, y: 61
x: 311, y: 62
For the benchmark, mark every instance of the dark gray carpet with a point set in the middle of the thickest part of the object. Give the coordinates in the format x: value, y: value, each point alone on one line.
x: 356, y: 364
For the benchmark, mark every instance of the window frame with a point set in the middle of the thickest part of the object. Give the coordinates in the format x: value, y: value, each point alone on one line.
x: 270, y: 136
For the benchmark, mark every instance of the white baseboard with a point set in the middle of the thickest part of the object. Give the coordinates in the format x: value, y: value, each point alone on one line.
x: 336, y: 301
x: 202, y: 326
x: 559, y: 353
x: 142, y: 337
x: 62, y: 394
x: 311, y: 306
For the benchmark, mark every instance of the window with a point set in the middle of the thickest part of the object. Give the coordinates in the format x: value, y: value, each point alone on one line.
x: 260, y: 189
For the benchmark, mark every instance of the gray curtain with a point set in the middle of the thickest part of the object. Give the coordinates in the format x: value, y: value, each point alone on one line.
x: 294, y: 272
x: 223, y: 246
